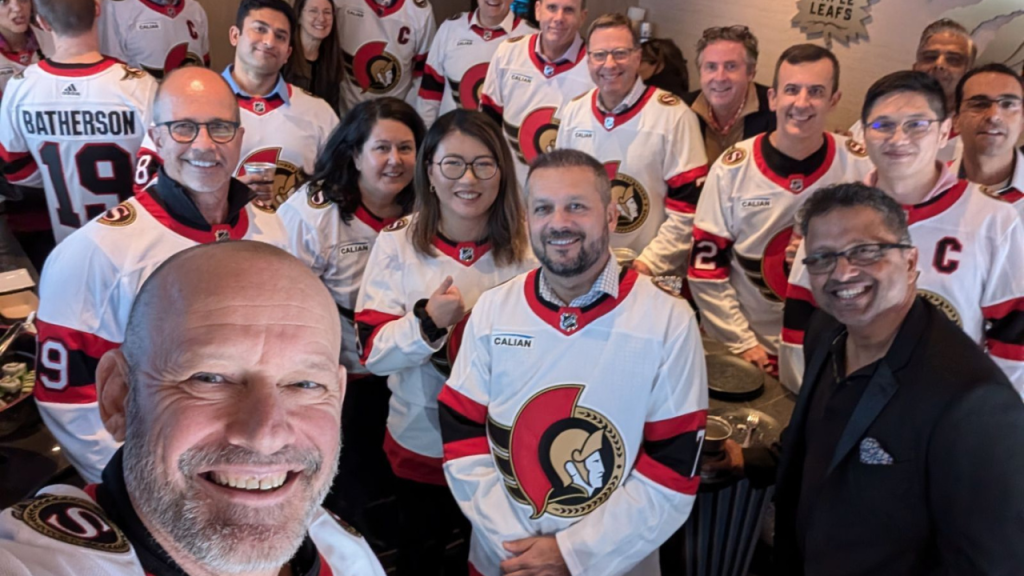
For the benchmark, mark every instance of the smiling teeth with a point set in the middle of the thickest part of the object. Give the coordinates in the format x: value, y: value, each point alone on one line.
x: 202, y: 164
x: 850, y: 293
x: 250, y: 482
x: 467, y: 195
x: 565, y: 242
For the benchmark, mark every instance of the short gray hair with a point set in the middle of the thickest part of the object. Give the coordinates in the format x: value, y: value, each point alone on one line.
x: 566, y: 158
x: 953, y: 27
x: 854, y: 195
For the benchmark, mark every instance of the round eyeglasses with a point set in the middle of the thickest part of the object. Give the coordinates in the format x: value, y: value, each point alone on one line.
x: 454, y: 167
x: 186, y: 131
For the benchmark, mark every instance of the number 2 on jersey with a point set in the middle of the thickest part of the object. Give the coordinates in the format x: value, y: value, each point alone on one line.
x: 103, y: 170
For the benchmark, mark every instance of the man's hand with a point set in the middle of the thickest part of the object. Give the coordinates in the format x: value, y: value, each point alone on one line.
x: 794, y: 245
x: 264, y: 189
x: 733, y: 461
x: 445, y: 305
x: 534, y: 557
x: 757, y: 356
x: 642, y: 268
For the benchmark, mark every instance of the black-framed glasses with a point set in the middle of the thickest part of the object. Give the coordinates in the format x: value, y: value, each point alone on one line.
x: 454, y: 167
x: 186, y: 131
x: 859, y: 255
x: 913, y: 128
x: 619, y: 55
x: 981, y: 104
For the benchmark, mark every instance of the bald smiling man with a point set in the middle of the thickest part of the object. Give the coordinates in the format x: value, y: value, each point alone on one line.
x: 228, y: 378
x: 90, y: 281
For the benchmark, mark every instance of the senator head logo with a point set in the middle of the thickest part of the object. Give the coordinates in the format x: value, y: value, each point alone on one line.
x: 631, y: 200
x: 375, y: 70
x: 535, y: 136
x: 558, y: 457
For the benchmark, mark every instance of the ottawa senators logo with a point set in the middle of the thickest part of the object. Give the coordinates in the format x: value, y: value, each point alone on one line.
x: 119, y: 216
x: 535, y: 136
x: 559, y: 458
x: 132, y: 73
x: 669, y: 99
x: 770, y: 274
x: 287, y: 177
x: 71, y: 520
x: 444, y: 359
x: 374, y: 70
x: 397, y: 225
x: 177, y: 57
x: 317, y: 199
x: 942, y: 304
x: 631, y: 200
x: 856, y: 148
x: 733, y: 156
x: 467, y: 91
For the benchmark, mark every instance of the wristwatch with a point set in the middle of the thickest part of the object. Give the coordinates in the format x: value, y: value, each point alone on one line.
x: 430, y: 330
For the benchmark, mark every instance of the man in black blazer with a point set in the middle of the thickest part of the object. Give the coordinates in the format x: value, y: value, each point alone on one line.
x: 905, y: 453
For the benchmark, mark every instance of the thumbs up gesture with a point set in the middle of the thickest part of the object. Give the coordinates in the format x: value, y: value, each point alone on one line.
x: 445, y: 305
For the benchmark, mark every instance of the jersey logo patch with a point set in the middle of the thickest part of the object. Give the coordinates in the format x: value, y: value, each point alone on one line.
x: 375, y: 70
x: 420, y: 3
x: 119, y: 216
x: 569, y: 322
x: 856, y: 148
x: 770, y: 273
x: 733, y: 156
x: 522, y: 78
x: 345, y: 525
x: 516, y: 39
x: 943, y: 305
x: 559, y: 458
x: 671, y: 285
x: 669, y: 99
x: 466, y: 92
x: 397, y: 225
x: 287, y: 176
x: 131, y: 73
x: 143, y: 26
x: 71, y: 520
x: 631, y: 200
x: 535, y: 136
x: 756, y: 203
x: 317, y: 199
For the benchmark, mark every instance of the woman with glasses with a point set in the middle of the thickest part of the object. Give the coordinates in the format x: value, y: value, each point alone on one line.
x: 315, y: 63
x: 362, y: 182
x: 424, y: 274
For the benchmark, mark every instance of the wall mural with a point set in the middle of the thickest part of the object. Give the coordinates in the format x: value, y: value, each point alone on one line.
x: 841, y: 20
x: 996, y: 25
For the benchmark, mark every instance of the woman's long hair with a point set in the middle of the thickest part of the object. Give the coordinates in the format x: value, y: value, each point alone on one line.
x: 330, y: 72
x: 335, y: 171
x: 506, y: 222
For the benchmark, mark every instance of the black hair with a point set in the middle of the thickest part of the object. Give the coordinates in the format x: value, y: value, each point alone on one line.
x: 854, y: 195
x: 804, y: 53
x: 993, y: 68
x: 906, y: 81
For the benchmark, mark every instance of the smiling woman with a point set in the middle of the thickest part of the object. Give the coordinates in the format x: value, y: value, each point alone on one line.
x: 315, y: 63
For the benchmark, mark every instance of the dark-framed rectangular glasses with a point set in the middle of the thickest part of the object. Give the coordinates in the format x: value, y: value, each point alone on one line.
x: 859, y: 255
x: 186, y: 131
x: 981, y: 104
x: 619, y: 55
x: 454, y: 167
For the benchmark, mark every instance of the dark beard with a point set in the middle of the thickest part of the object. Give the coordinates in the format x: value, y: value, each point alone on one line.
x: 590, y: 253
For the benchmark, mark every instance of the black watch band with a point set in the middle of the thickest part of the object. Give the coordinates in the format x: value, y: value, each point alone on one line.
x: 430, y: 330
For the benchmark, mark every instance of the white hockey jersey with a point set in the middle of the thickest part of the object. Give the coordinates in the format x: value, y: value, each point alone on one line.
x: 63, y: 531
x: 585, y: 424
x: 392, y: 342
x: 13, y: 62
x: 384, y: 47
x: 654, y: 154
x: 743, y: 225
x: 971, y: 262
x: 950, y: 153
x: 458, y: 61
x: 336, y: 251
x: 86, y: 292
x: 155, y: 37
x: 525, y: 93
x: 74, y: 129
x: 288, y: 127
x: 1012, y: 192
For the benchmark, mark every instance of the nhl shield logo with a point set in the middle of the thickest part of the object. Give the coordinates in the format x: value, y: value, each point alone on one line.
x: 796, y: 184
x: 172, y: 11
x: 466, y: 254
x: 222, y: 235
x: 609, y: 122
x: 488, y: 34
x: 568, y: 322
x: 549, y: 70
x: 259, y: 106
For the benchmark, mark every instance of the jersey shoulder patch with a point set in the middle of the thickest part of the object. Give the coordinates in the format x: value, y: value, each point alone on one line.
x: 119, y: 216
x: 397, y: 225
x: 669, y: 99
x: 72, y: 520
x: 733, y: 156
x: 516, y: 38
x: 856, y: 148
x: 420, y: 3
x: 345, y: 525
x: 317, y: 199
x: 132, y: 73
x: 671, y: 285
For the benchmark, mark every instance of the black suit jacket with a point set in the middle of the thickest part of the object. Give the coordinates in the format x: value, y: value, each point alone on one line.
x: 764, y: 120
x: 952, y: 503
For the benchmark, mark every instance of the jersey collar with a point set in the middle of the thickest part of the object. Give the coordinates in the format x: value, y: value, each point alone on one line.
x: 279, y: 96
x: 77, y: 70
x: 567, y: 320
x: 465, y: 253
x: 23, y: 56
x: 506, y: 27
x: 936, y: 204
x: 794, y: 183
x: 371, y: 220
x: 577, y: 51
x: 171, y: 9
x: 635, y: 101
x: 382, y: 11
x: 1014, y: 188
x: 168, y: 202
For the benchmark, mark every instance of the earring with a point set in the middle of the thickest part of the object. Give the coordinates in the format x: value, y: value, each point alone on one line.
x: 433, y: 190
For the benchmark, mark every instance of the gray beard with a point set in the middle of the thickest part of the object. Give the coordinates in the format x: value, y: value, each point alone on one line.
x: 230, y: 540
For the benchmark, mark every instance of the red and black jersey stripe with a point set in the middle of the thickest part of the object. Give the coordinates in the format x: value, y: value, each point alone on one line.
x: 671, y: 451
x: 684, y: 190
x: 796, y: 314
x: 1005, y: 333
x: 67, y: 364
x: 463, y: 425
x: 432, y: 85
x: 368, y: 323
x: 709, y: 258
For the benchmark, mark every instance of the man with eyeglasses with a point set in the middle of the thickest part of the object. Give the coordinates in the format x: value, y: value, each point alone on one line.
x: 157, y: 36
x: 744, y: 221
x: 71, y: 124
x: 903, y: 455
x: 286, y: 126
x: 971, y: 264
x: 649, y: 143
x: 530, y: 77
x: 730, y: 105
x: 990, y: 120
x: 91, y: 279
x: 945, y: 52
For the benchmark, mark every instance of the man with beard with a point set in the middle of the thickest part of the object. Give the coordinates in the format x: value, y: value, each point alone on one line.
x: 972, y: 263
x: 945, y: 52
x: 91, y: 279
x: 547, y: 359
x: 222, y: 391
x: 990, y: 119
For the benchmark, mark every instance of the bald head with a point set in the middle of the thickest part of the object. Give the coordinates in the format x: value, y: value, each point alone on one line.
x: 192, y: 83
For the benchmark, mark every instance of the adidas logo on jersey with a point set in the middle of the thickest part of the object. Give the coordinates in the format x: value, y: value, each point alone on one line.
x: 70, y: 91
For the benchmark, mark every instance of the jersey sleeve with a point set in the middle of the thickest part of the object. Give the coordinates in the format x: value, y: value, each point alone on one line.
x: 710, y: 261
x: 419, y: 60
x: 796, y: 316
x: 656, y: 498
x: 79, y: 321
x: 492, y: 102
x: 390, y: 338
x: 428, y: 100
x: 147, y: 164
x: 1002, y: 304
x: 304, y: 237
x: 110, y: 33
x: 19, y: 166
x: 204, y: 35
x: 472, y: 476
x: 685, y: 168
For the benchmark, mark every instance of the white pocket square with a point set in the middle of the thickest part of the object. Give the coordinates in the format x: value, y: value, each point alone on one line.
x: 871, y: 452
